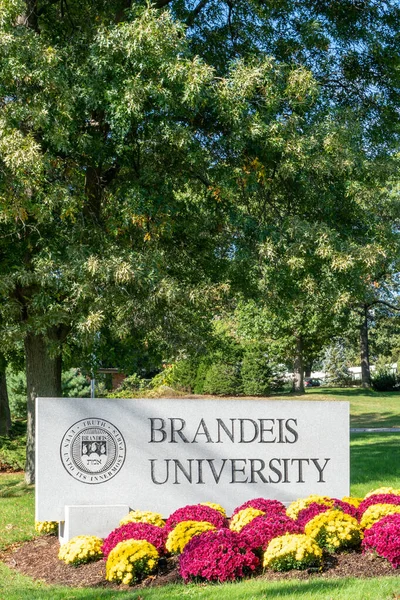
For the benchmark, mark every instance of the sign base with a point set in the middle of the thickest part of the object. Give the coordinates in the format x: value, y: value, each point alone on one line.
x: 97, y: 520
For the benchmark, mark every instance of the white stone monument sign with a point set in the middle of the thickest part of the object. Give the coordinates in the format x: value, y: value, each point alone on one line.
x: 162, y: 454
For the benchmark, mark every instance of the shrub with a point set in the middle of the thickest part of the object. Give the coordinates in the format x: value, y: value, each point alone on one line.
x: 260, y: 375
x: 81, y: 549
x: 74, y: 384
x: 384, y: 539
x: 335, y: 365
x: 130, y: 387
x: 181, y: 375
x: 139, y: 516
x: 384, y: 381
x: 13, y: 448
x: 16, y: 385
x: 292, y: 551
x: 222, y: 379
x: 201, y: 373
x: 196, y: 512
x: 243, y: 517
x: 136, y: 531
x: 376, y: 512
x: 267, y: 506
x: 131, y: 561
x: 217, y: 556
x: 46, y: 527
x: 334, y: 530
x: 261, y: 530
x: 183, y: 533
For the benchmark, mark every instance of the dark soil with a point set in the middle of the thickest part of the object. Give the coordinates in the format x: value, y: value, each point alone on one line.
x: 38, y: 559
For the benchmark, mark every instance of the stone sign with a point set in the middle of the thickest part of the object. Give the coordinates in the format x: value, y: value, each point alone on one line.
x: 162, y: 454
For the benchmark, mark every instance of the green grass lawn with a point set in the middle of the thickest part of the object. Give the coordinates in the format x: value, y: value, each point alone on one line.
x: 375, y: 462
x: 367, y: 408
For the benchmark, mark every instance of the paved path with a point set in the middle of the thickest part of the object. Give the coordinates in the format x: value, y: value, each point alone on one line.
x: 374, y: 429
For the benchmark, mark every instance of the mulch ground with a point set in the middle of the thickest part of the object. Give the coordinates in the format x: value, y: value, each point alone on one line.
x: 38, y: 559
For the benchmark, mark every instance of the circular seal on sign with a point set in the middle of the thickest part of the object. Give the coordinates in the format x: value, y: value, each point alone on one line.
x: 93, y: 450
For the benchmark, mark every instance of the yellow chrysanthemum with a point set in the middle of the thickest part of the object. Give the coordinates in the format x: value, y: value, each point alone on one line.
x: 334, y: 530
x: 376, y: 512
x: 352, y: 500
x: 217, y: 507
x: 46, y: 527
x: 81, y: 549
x: 383, y: 490
x: 130, y: 561
x: 243, y: 517
x: 139, y: 516
x: 292, y: 551
x: 295, y: 507
x: 183, y: 533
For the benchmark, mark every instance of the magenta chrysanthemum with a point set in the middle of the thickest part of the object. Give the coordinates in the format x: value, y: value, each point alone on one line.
x: 196, y: 512
x: 136, y: 531
x: 261, y: 530
x: 308, y: 513
x: 267, y: 506
x: 315, y: 508
x: 384, y: 539
x: 377, y: 499
x: 217, y: 556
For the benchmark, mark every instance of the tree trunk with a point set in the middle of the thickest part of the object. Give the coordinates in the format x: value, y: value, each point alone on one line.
x: 364, y: 351
x: 298, y: 367
x: 43, y: 378
x: 5, y: 416
x: 308, y: 369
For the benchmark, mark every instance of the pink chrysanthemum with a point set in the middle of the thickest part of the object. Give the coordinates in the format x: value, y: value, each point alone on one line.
x: 137, y: 531
x: 267, y: 506
x: 217, y: 556
x: 384, y: 539
x: 261, y: 530
x: 196, y: 512
x: 377, y: 499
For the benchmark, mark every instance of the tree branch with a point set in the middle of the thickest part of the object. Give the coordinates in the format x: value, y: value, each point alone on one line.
x: 161, y: 3
x: 197, y: 9
x: 385, y: 304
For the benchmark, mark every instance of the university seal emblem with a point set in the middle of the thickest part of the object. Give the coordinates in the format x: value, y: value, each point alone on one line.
x: 93, y: 451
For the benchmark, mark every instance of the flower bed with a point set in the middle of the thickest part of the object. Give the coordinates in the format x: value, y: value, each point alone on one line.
x: 261, y: 534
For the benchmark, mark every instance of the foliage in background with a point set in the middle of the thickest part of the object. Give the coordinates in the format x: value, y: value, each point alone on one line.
x: 335, y: 365
x: 74, y: 385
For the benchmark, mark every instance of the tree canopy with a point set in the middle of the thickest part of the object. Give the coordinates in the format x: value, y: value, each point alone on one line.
x: 156, y: 158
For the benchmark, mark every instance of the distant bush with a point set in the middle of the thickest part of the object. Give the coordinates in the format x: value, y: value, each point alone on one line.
x: 180, y: 375
x: 260, y: 375
x: 335, y: 365
x: 204, y: 365
x: 131, y: 386
x: 74, y: 384
x: 386, y: 382
x: 16, y: 386
x: 222, y: 379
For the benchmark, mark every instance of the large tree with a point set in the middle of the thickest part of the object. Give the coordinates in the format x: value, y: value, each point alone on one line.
x: 135, y: 176
x: 99, y: 167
